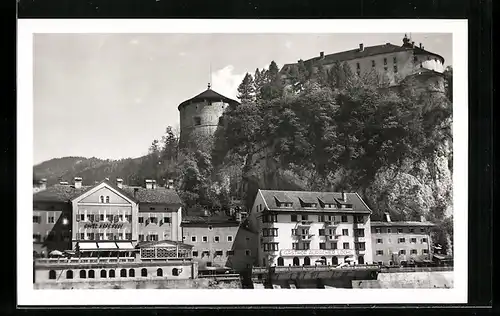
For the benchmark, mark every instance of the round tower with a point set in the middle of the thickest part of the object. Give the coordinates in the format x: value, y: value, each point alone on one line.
x: 200, y: 115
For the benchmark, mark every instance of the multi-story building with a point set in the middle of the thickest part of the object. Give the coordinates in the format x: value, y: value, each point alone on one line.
x: 201, y: 114
x: 390, y: 63
x: 219, y: 242
x: 311, y: 228
x: 77, y: 217
x: 401, y: 242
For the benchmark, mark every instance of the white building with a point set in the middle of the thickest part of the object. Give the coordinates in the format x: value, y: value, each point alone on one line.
x: 311, y: 228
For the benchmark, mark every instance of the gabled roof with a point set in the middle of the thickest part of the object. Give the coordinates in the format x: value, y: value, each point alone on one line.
x: 209, y: 220
x: 66, y: 193
x: 209, y: 94
x: 358, y: 205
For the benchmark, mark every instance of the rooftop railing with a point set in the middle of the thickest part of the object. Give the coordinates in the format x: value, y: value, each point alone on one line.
x: 84, y: 260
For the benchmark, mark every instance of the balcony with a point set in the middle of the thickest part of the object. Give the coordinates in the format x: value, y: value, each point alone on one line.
x: 304, y: 223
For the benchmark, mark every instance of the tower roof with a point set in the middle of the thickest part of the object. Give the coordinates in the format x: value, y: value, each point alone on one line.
x: 210, y: 95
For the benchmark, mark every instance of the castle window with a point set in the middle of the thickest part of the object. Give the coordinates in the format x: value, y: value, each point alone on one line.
x: 358, y: 66
x: 395, y: 68
x: 373, y: 63
x: 394, y: 59
x: 385, y: 61
x: 197, y: 120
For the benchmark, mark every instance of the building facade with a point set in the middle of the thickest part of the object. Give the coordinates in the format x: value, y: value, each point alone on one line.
x: 391, y: 64
x: 201, y: 114
x: 69, y: 217
x: 300, y: 228
x: 219, y: 242
x: 401, y: 242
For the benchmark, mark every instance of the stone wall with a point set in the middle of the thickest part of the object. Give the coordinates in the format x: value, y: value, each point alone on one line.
x: 426, y: 280
x: 142, y: 284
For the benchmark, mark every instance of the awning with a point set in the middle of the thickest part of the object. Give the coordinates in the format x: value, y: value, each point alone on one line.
x: 106, y: 245
x: 125, y: 245
x: 87, y: 246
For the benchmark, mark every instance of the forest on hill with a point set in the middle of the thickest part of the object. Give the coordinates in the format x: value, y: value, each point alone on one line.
x: 324, y: 130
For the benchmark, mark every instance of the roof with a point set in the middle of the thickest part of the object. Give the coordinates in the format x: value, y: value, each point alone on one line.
x: 159, y: 195
x: 209, y: 220
x: 155, y: 243
x: 358, y: 205
x: 366, y: 52
x: 209, y: 94
x: 403, y: 223
x: 66, y: 193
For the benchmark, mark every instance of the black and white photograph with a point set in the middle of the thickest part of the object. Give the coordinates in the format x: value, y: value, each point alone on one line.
x: 314, y: 162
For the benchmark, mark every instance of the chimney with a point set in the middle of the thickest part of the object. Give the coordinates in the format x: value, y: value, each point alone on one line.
x: 119, y: 183
x: 135, y: 192
x: 422, y: 218
x: 361, y: 47
x: 387, y: 217
x: 322, y: 54
x: 78, y: 182
x: 154, y: 185
x: 149, y: 184
x: 170, y: 184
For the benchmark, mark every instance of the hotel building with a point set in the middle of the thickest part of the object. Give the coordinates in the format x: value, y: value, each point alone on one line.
x: 300, y: 228
x: 397, y: 243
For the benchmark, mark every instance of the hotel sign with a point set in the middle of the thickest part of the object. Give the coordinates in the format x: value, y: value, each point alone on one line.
x: 103, y: 225
x: 317, y: 252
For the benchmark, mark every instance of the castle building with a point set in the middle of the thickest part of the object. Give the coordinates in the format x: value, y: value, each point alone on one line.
x: 104, y: 216
x: 302, y: 228
x: 201, y: 114
x: 401, y: 242
x: 392, y: 64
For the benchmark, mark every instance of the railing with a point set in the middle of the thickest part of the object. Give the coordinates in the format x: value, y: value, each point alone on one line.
x: 361, y: 267
x: 414, y: 269
x: 84, y: 260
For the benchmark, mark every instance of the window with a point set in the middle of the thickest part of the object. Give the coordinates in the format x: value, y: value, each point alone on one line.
x: 273, y: 232
x: 395, y: 68
x: 111, y: 273
x: 101, y: 217
x: 193, y: 238
x: 83, y: 274
x: 333, y: 245
x: 141, y: 237
x: 197, y: 120
x: 247, y: 252
x: 37, y: 219
x: 229, y: 238
x: 359, y: 219
x: 107, y: 199
x: 322, y: 245
x: 131, y: 273
x: 103, y: 273
x: 82, y: 236
x: 425, y: 251
x: 109, y: 218
x: 140, y: 220
x: 413, y: 240
x: 128, y: 236
x: 389, y: 230
x: 204, y: 238
x: 359, y: 232
x: 412, y: 230
x: 151, y: 208
x: 359, y: 246
x: 221, y: 121
x: 380, y: 252
x: 153, y: 219
x: 159, y: 272
x: 380, y: 241
x: 358, y: 66
x: 293, y: 217
x: 423, y: 240
x: 210, y: 227
x: 402, y: 252
x: 422, y: 230
x: 345, y: 232
x: 208, y: 264
x: 270, y: 218
x: 385, y: 61
x: 344, y: 219
x: 101, y: 198
x: 304, y: 217
x: 123, y: 273
x: 166, y: 220
x: 52, y: 275
x: 175, y: 272
x: 346, y: 245
x: 91, y: 274
x: 101, y: 236
x: 306, y: 246
x: 295, y: 246
x: 153, y: 237
x: 415, y: 58
x: 218, y: 253
x: 385, y: 68
x: 400, y: 230
x: 321, y: 232
x: 69, y: 274
x: 37, y: 238
x: 50, y: 220
x: 205, y: 253
x: 401, y: 240
x: 377, y: 230
x: 413, y: 251
x: 195, y: 253
x: 216, y: 238
x: 128, y: 218
x: 270, y: 246
x: 373, y: 63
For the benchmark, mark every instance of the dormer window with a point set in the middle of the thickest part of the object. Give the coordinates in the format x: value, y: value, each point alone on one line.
x: 101, y: 198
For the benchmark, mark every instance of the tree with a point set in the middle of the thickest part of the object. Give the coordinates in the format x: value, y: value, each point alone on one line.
x: 246, y: 89
x: 273, y: 83
x: 448, y: 82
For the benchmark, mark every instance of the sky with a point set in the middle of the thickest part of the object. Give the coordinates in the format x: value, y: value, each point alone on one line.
x: 110, y: 95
